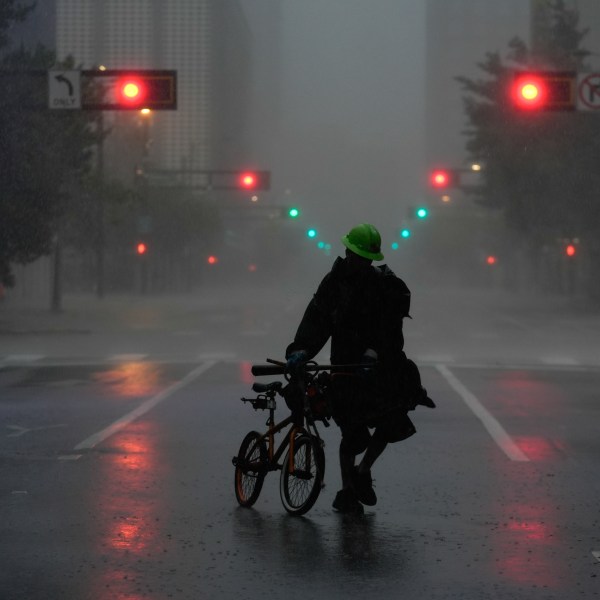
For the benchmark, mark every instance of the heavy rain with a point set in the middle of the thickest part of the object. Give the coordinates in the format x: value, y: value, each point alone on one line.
x: 197, y: 198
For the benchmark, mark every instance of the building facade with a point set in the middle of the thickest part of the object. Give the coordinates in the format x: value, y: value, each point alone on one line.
x: 207, y: 42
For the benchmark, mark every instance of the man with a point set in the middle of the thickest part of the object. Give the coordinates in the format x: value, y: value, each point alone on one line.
x: 361, y: 308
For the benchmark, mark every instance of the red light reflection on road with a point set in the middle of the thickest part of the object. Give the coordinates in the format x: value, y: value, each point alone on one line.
x: 527, y: 542
x: 539, y: 448
x: 128, y: 510
x: 246, y: 372
x: 132, y: 379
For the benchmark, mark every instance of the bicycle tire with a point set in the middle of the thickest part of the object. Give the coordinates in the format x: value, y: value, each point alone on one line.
x: 300, y: 488
x: 251, y: 469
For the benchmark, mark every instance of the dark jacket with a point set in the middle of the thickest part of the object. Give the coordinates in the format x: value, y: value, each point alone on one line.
x: 358, y: 312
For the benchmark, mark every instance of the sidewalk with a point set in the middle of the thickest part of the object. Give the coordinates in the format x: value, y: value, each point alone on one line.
x: 85, y: 313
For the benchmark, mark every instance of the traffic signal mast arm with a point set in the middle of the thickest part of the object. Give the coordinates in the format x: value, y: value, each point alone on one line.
x: 213, y: 179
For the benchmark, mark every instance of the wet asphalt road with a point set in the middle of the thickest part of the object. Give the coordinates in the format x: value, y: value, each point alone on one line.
x: 116, y: 475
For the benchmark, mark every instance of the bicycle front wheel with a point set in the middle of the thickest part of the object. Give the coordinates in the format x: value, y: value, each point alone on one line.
x: 300, y: 485
x: 250, y: 468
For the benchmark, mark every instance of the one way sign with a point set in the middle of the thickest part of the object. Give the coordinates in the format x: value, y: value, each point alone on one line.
x: 64, y: 89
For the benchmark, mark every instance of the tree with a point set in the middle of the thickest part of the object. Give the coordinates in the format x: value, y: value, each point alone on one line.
x: 11, y: 11
x: 43, y: 154
x: 538, y: 166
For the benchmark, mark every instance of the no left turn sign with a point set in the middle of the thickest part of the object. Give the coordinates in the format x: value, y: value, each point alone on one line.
x: 588, y: 91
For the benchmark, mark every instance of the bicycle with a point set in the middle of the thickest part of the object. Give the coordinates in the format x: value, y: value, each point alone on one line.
x: 303, y: 468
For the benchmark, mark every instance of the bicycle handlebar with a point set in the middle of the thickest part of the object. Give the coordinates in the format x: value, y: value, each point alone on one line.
x: 278, y: 368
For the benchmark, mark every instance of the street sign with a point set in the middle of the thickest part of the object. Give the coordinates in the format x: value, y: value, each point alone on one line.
x: 64, y: 89
x: 588, y: 91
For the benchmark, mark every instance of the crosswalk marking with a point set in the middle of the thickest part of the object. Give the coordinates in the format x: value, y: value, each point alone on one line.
x: 423, y: 359
x: 127, y: 357
x: 559, y: 360
x: 23, y: 358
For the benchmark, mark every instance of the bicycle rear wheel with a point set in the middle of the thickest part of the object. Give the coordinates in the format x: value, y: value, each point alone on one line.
x: 300, y: 487
x: 250, y: 468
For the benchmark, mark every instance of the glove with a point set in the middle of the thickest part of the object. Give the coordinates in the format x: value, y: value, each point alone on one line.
x: 295, y: 359
x: 368, y: 360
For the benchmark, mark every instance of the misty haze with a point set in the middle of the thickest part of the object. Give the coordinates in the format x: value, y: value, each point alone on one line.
x: 182, y: 186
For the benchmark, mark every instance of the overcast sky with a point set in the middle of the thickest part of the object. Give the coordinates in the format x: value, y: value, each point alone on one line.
x: 353, y: 108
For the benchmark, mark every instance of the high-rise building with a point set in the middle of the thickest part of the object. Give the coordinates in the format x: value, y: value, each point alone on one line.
x: 207, y: 42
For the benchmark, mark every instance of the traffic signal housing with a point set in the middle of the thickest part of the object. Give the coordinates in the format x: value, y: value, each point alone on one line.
x: 134, y: 89
x: 544, y: 90
x: 442, y: 179
x: 254, y: 180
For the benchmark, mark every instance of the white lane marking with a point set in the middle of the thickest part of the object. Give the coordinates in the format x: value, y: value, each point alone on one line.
x: 23, y: 358
x: 435, y: 358
x: 143, y: 408
x: 127, y: 357
x: 216, y: 356
x: 18, y: 431
x: 498, y: 433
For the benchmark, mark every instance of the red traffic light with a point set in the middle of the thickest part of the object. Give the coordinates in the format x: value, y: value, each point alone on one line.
x: 491, y: 260
x: 571, y: 250
x: 254, y: 180
x: 441, y: 179
x: 530, y: 92
x: 544, y: 90
x: 212, y: 260
x: 131, y: 92
x: 248, y: 180
x: 141, y: 248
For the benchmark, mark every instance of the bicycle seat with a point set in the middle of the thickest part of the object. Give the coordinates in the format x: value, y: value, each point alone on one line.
x: 261, y: 388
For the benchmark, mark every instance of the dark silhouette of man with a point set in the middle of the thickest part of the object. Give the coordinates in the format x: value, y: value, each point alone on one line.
x: 361, y: 308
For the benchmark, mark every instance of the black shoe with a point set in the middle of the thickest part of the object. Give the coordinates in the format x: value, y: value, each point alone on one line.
x: 346, y: 502
x: 363, y: 487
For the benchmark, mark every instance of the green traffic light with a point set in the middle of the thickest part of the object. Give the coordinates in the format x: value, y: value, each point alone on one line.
x: 405, y: 233
x: 293, y: 213
x: 422, y: 212
x: 311, y: 233
x: 395, y: 245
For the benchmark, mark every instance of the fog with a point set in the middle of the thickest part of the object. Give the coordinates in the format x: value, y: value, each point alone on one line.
x: 349, y: 104
x: 351, y: 137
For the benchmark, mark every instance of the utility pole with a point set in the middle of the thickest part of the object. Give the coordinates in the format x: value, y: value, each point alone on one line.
x: 100, y: 242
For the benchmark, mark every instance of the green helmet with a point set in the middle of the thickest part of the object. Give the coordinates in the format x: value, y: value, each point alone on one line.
x: 365, y: 241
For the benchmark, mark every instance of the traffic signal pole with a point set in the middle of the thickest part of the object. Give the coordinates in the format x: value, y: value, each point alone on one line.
x: 100, y: 242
